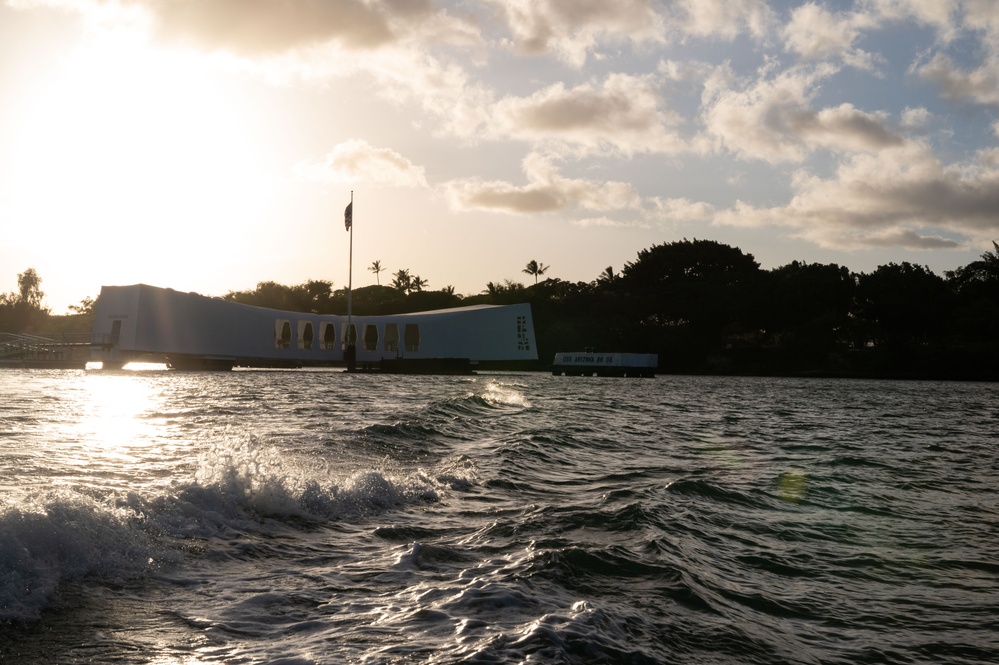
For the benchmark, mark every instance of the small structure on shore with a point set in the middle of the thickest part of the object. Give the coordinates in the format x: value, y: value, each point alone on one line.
x: 191, y: 331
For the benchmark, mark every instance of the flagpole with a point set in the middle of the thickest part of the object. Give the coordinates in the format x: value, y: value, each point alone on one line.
x: 351, y: 343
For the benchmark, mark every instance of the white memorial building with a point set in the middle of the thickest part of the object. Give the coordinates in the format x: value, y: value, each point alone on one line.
x: 188, y: 330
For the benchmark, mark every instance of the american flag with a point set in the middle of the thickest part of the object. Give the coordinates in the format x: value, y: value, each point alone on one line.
x: 348, y: 215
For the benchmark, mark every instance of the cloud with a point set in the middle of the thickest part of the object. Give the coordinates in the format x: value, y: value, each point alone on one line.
x: 443, y: 89
x: 355, y: 161
x: 899, y: 237
x: 725, y: 18
x: 772, y: 120
x: 546, y: 191
x: 681, y: 209
x: 938, y: 14
x: 901, y: 197
x: 262, y: 26
x: 623, y: 113
x: 572, y: 28
x: 268, y: 28
x: 981, y: 15
x: 66, y: 5
x: 974, y: 84
x: 604, y: 222
x: 94, y: 14
x: 916, y: 119
x: 888, y: 190
x: 815, y: 33
x: 980, y: 85
x: 392, y: 41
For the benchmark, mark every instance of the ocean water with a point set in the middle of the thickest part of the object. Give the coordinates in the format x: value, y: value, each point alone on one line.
x: 305, y: 517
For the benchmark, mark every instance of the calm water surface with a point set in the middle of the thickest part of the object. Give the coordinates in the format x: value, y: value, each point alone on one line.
x: 318, y: 517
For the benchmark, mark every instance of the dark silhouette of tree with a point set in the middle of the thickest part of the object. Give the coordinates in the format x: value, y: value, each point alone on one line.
x: 607, y: 277
x: 29, y: 289
x: 86, y: 306
x: 976, y: 285
x: 376, y: 267
x: 267, y: 294
x: 422, y: 301
x: 806, y: 310
x: 509, y: 292
x: 371, y: 300
x: 408, y: 283
x: 701, y: 305
x: 315, y: 296
x: 978, y: 278
x: 903, y: 305
x: 691, y: 295
x: 23, y: 311
x: 536, y: 269
x: 319, y: 294
x: 402, y: 280
x: 564, y: 312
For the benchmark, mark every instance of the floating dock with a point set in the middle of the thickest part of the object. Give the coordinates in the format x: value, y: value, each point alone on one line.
x: 605, y: 364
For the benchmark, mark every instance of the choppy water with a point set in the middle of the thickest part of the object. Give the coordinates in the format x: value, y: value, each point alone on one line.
x: 318, y: 517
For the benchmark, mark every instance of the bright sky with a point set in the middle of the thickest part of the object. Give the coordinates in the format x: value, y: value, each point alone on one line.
x: 206, y: 145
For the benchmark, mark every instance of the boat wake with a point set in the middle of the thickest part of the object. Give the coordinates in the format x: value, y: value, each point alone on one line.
x: 240, y: 489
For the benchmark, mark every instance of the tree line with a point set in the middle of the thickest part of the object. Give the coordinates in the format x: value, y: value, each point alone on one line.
x: 707, y: 307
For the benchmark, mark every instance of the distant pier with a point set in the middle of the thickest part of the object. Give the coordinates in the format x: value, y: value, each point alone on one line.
x: 52, y: 351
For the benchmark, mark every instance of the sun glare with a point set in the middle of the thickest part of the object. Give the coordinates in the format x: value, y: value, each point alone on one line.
x: 114, y: 408
x: 129, y: 144
x: 108, y: 428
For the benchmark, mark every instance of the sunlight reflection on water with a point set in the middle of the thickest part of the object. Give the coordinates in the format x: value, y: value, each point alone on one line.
x: 131, y: 367
x: 103, y: 428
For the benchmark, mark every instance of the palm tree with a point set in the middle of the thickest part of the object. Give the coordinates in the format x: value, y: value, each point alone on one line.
x: 536, y: 269
x: 402, y: 280
x: 418, y: 283
x: 376, y: 267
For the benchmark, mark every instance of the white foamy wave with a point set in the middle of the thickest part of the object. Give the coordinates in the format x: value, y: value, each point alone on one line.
x: 60, y: 538
x: 240, y: 483
x: 502, y: 394
x: 241, y: 487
